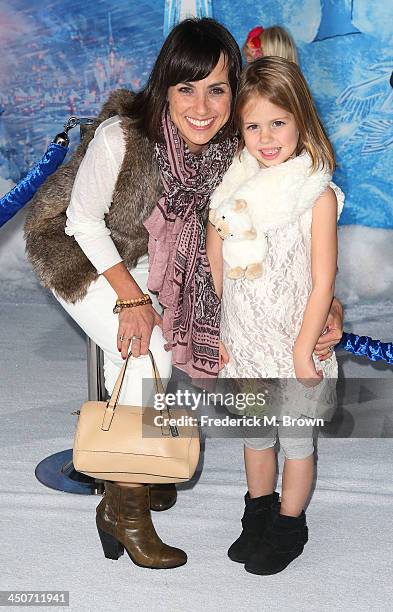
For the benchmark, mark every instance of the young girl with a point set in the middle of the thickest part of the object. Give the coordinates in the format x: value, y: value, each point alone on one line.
x: 275, y: 40
x: 270, y: 325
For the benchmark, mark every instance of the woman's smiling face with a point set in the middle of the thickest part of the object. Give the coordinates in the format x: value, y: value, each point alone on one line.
x: 199, y: 109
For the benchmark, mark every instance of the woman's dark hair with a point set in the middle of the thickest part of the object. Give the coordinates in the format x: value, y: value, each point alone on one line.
x: 190, y: 53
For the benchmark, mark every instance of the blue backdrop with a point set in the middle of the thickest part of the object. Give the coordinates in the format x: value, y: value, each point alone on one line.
x: 61, y: 58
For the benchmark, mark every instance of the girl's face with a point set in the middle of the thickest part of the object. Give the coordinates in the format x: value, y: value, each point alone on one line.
x: 270, y: 132
x: 199, y: 109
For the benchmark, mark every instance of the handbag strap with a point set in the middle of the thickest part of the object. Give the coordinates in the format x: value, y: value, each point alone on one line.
x: 112, y: 403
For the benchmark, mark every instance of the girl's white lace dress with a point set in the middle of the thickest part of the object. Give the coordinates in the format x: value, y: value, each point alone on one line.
x: 261, y: 318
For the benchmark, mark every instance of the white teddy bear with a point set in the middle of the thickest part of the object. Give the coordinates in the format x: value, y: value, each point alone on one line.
x: 243, y: 250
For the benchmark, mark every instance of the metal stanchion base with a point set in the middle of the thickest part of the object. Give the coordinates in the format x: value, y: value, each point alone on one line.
x: 57, y: 472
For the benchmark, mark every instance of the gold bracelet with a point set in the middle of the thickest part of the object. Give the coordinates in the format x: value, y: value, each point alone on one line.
x: 120, y: 304
x: 145, y: 296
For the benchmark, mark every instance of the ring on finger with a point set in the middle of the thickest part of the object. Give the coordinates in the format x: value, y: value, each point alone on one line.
x: 136, y: 337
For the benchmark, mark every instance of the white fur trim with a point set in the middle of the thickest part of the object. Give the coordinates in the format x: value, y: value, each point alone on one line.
x: 277, y: 195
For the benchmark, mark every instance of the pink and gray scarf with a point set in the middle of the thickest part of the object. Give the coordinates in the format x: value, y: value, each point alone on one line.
x: 179, y: 267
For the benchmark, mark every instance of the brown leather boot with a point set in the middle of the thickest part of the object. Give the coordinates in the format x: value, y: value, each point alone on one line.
x: 124, y: 521
x: 162, y: 496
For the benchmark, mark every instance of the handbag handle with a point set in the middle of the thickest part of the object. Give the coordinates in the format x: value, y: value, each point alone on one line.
x: 112, y: 403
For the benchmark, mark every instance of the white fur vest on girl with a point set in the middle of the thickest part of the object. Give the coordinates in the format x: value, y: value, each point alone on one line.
x: 276, y: 196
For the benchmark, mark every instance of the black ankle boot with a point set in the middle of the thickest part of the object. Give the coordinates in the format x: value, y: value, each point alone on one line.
x: 283, y: 541
x: 256, y: 514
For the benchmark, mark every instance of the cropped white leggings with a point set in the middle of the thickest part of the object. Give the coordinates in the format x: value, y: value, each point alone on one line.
x: 94, y: 315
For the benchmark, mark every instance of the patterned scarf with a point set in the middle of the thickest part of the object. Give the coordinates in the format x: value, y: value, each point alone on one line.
x: 179, y: 267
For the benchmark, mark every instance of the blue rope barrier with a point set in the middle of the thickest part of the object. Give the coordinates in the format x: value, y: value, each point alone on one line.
x: 22, y: 193
x: 364, y: 346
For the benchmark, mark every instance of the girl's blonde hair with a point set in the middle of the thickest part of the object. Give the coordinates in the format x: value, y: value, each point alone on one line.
x: 275, y: 40
x: 283, y: 84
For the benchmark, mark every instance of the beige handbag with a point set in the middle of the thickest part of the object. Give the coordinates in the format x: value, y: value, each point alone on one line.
x: 129, y: 443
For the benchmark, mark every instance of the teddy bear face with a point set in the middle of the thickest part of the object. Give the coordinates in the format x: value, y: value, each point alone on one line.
x: 232, y: 220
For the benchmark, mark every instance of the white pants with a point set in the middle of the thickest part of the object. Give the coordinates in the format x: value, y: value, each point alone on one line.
x: 94, y: 315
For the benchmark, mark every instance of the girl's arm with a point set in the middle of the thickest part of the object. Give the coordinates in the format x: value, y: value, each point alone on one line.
x: 323, y: 270
x: 214, y: 254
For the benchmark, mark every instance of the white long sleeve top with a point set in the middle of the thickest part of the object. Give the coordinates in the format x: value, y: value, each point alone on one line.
x: 91, y: 195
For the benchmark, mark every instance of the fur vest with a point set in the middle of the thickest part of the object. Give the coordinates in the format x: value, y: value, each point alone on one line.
x: 56, y: 258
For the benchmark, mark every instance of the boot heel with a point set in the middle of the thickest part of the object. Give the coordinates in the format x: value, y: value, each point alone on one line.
x: 113, y: 549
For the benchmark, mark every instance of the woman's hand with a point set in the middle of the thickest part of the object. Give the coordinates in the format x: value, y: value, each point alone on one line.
x: 306, y: 372
x: 137, y: 323
x: 332, y: 333
x: 223, y: 356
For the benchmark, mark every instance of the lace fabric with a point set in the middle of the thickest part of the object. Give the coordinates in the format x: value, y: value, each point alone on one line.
x: 261, y: 319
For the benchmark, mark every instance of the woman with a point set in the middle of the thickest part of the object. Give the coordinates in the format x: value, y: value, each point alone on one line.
x: 175, y: 136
